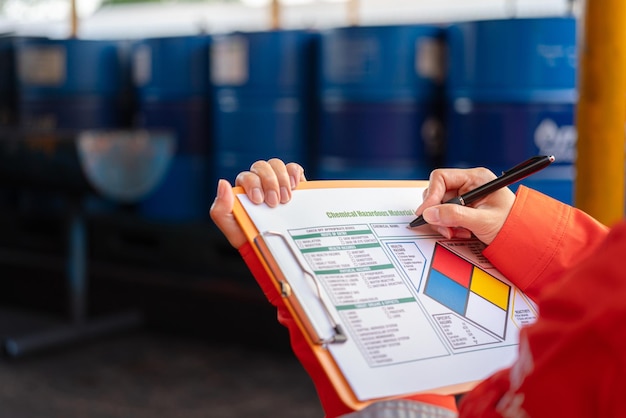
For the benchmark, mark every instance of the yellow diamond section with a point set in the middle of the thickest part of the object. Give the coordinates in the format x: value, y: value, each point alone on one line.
x: 490, y: 288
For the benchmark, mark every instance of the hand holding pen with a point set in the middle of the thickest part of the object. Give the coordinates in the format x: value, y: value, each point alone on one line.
x: 488, y: 196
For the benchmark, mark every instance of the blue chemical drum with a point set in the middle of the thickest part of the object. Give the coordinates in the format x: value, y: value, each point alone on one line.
x: 72, y: 85
x: 380, y: 102
x: 171, y: 77
x: 263, y: 85
x: 8, y: 82
x: 511, y: 94
x: 172, y: 82
x: 182, y: 194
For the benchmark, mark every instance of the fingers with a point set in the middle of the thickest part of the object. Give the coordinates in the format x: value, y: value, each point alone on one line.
x: 222, y: 214
x: 453, y: 216
x: 270, y: 181
x: 444, y: 184
x: 296, y: 174
x: 484, y: 218
x: 267, y: 181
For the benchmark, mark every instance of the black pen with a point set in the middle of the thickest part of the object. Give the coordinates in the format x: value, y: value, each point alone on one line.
x: 508, y: 177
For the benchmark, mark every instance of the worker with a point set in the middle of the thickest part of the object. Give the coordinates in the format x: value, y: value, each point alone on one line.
x: 570, y: 362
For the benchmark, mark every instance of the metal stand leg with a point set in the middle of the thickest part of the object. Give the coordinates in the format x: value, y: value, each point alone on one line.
x: 80, y: 327
x: 77, y: 265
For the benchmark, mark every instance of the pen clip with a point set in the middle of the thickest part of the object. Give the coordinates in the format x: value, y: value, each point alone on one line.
x: 339, y: 335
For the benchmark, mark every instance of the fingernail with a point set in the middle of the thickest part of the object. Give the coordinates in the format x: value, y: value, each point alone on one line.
x: 292, y: 180
x: 220, y: 190
x: 257, y: 196
x: 272, y: 198
x: 284, y: 195
x: 431, y: 215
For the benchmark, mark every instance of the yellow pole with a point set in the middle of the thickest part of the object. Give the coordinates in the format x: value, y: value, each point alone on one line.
x: 353, y: 12
x: 601, y: 111
x: 275, y: 15
x: 73, y: 19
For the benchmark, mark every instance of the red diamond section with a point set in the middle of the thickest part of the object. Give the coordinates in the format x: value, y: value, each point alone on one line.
x: 451, y: 265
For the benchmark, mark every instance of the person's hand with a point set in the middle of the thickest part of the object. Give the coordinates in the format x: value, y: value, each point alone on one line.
x: 267, y: 181
x: 484, y: 218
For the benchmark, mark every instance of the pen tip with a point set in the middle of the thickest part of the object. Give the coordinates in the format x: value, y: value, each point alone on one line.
x: 419, y: 221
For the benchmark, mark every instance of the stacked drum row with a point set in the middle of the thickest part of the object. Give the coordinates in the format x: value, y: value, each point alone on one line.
x: 380, y: 101
x: 264, y: 98
x: 72, y: 85
x: 355, y: 102
x: 511, y: 92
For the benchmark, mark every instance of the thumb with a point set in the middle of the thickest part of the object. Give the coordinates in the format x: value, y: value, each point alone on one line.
x: 448, y: 215
x: 222, y: 214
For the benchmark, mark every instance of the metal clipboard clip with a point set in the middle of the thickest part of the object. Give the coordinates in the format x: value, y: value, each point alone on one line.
x: 305, y: 299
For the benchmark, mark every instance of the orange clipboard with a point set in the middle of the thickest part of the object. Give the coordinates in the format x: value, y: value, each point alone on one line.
x: 317, y: 344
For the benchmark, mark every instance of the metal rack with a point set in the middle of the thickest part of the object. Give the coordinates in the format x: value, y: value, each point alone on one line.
x: 65, y: 164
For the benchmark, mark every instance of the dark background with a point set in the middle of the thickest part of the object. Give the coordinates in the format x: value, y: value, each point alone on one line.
x: 208, y: 345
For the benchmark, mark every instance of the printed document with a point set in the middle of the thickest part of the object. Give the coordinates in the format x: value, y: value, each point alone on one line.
x: 420, y: 312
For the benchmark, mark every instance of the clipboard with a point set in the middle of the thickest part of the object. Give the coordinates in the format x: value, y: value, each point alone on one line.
x: 320, y: 336
x: 316, y: 341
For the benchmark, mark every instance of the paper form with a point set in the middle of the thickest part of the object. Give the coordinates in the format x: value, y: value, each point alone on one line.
x: 421, y: 312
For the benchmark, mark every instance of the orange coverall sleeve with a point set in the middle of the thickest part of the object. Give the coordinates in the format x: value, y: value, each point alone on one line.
x: 571, y: 362
x: 541, y: 239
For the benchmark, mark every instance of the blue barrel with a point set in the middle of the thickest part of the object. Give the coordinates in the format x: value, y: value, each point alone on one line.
x: 172, y: 81
x: 72, y: 84
x: 171, y: 77
x: 380, y: 102
x: 263, y: 85
x: 511, y: 94
x: 8, y: 82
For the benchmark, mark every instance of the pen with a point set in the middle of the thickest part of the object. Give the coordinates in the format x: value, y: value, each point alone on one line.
x: 517, y: 173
